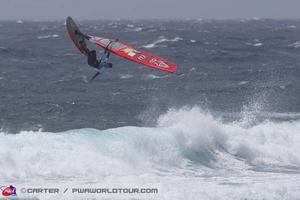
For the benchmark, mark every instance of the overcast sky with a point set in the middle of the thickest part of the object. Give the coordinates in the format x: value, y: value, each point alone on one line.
x: 148, y: 9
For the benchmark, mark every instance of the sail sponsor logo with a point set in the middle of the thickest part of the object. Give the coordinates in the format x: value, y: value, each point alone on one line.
x: 130, y: 51
x: 159, y: 63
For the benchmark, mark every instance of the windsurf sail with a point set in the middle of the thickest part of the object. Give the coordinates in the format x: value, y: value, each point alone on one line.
x: 77, y: 38
x: 134, y: 54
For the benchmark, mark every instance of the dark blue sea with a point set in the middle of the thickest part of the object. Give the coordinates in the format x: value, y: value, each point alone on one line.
x: 226, y: 125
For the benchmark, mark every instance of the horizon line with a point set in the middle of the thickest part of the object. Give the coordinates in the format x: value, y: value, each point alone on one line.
x: 154, y: 19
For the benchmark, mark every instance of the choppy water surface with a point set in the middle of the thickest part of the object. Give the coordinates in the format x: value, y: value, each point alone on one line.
x: 226, y: 126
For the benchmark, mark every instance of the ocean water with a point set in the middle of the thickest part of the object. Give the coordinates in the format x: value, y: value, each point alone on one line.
x: 225, y: 126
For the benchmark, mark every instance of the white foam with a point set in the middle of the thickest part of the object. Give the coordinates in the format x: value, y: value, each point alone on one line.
x: 295, y: 45
x: 48, y: 36
x: 138, y: 29
x: 190, y: 155
x: 187, y: 134
x: 162, y: 40
x: 116, y: 93
x: 243, y: 82
x: 126, y: 76
x: 149, y: 46
x: 258, y: 44
x: 265, y: 144
x: 152, y: 76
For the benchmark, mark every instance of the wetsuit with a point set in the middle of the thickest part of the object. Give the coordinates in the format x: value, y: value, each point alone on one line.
x: 98, y: 64
x: 92, y: 59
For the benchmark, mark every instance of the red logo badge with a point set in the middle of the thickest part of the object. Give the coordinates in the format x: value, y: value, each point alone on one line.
x: 8, y: 191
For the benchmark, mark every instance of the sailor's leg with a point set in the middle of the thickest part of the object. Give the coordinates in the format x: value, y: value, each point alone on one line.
x: 92, y: 59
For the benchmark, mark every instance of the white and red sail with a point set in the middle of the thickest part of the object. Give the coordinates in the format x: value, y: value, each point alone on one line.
x: 134, y: 54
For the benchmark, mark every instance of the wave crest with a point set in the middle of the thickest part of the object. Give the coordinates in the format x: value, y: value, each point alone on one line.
x: 185, y: 141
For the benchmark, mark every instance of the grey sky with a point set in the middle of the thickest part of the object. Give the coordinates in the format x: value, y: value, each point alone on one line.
x: 141, y: 9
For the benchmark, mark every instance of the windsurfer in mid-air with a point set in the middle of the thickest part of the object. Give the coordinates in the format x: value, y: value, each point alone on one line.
x: 117, y: 47
x: 98, y: 64
x: 92, y: 55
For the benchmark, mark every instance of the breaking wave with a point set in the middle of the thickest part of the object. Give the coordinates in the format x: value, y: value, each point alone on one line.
x: 186, y: 140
